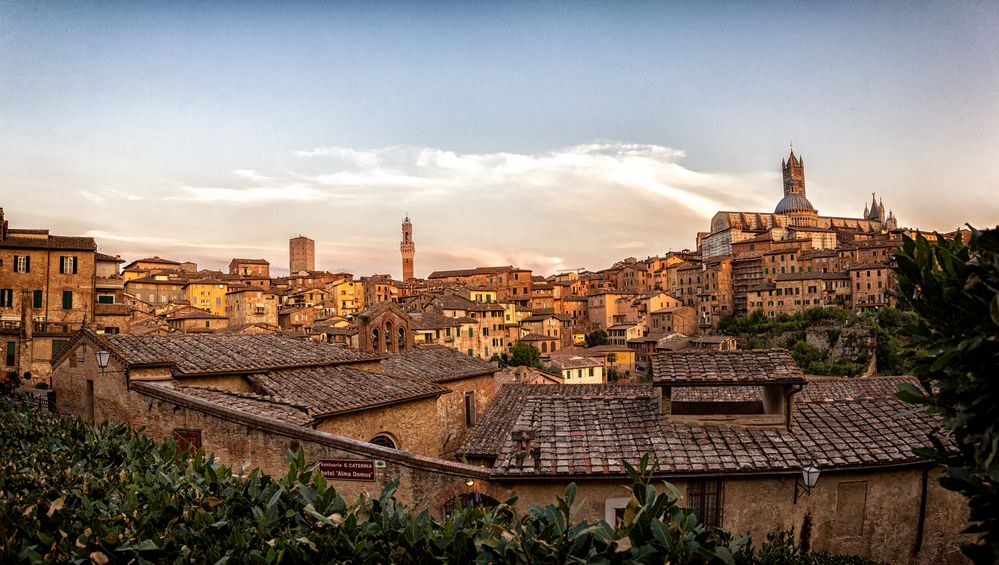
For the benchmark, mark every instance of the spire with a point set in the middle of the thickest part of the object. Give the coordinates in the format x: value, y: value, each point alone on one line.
x: 867, y: 211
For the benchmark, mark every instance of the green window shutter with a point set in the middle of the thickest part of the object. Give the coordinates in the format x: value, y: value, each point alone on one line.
x: 27, y: 264
x: 11, y: 359
x: 57, y: 345
x: 67, y: 300
x: 75, y: 262
x: 37, y: 302
x: 6, y: 297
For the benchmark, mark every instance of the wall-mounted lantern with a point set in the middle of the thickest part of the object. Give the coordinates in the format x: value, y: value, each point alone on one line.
x: 805, y: 484
x: 102, y: 359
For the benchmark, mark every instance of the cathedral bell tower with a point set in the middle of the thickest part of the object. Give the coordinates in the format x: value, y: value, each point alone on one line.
x: 408, y: 249
x: 794, y: 175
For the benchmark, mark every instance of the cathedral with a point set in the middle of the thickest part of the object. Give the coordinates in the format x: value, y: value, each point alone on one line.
x: 794, y: 218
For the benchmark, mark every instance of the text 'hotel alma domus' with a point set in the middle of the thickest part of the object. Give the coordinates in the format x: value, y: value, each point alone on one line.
x: 379, y: 378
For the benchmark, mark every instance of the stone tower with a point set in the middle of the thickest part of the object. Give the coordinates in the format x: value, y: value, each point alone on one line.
x: 301, y: 254
x: 794, y: 203
x: 408, y: 249
x: 794, y: 175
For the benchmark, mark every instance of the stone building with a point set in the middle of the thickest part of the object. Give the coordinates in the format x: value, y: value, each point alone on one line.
x: 732, y: 431
x: 250, y: 268
x: 251, y: 305
x: 301, y: 255
x: 794, y: 218
x: 112, y: 312
x: 46, y: 295
x: 250, y: 398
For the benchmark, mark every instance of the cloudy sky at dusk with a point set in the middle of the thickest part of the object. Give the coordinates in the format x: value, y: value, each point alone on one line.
x: 547, y: 135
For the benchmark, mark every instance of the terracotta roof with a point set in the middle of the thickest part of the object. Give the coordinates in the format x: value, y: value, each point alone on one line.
x: 195, y: 314
x: 493, y: 429
x: 202, y: 354
x: 328, y: 391
x: 105, y: 257
x: 832, y: 389
x: 266, y: 406
x: 470, y: 272
x: 152, y: 280
x: 563, y: 362
x: 592, y: 429
x: 435, y: 364
x: 50, y: 242
x: 758, y: 366
x: 717, y: 394
x: 536, y: 337
x: 251, y: 261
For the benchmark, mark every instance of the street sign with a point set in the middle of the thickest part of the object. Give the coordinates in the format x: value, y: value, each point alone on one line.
x: 348, y: 469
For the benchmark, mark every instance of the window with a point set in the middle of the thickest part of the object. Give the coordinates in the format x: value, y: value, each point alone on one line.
x: 189, y: 440
x: 102, y: 299
x: 11, y: 357
x: 67, y: 265
x: 383, y: 440
x: 469, y: 409
x: 6, y: 297
x: 705, y: 499
x: 22, y: 264
x: 36, y: 301
x: 67, y: 300
x: 57, y: 345
x: 591, y: 371
x: 471, y: 332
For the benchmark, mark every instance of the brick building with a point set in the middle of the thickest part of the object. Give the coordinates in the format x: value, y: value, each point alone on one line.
x: 46, y: 295
x: 301, y: 255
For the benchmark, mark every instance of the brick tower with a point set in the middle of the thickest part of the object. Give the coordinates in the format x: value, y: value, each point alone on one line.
x: 301, y: 254
x: 408, y: 249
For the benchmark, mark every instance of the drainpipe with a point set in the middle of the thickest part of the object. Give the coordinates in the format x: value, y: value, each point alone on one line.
x: 922, y: 512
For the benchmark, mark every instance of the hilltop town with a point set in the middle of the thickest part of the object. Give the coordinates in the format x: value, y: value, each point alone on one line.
x: 780, y: 262
x: 378, y: 379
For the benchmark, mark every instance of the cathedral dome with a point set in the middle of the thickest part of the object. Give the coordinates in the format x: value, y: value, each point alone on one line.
x: 793, y: 203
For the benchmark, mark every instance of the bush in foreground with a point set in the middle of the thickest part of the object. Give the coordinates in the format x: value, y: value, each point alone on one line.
x: 74, y: 492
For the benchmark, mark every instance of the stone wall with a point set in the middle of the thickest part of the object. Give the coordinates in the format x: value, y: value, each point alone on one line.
x: 874, y: 513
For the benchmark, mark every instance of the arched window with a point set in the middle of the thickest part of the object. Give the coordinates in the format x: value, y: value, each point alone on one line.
x: 402, y: 340
x: 375, y: 340
x: 388, y: 337
x: 384, y: 440
x: 544, y: 347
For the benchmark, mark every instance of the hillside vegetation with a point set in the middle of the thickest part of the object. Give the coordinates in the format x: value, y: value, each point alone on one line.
x: 828, y: 341
x: 74, y: 492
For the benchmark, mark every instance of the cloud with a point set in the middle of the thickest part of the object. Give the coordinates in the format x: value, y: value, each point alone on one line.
x: 586, y: 205
x: 248, y: 196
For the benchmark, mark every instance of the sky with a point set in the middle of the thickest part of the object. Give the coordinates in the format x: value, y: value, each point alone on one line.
x: 547, y: 135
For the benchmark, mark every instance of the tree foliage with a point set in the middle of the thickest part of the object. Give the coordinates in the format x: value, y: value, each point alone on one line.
x: 525, y: 355
x: 595, y: 338
x: 953, y: 289
x: 71, y: 492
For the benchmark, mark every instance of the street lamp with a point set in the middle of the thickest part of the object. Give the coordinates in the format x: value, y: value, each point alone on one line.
x: 102, y: 359
x: 805, y: 484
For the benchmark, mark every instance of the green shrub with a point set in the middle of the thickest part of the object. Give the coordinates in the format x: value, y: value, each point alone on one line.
x: 74, y: 492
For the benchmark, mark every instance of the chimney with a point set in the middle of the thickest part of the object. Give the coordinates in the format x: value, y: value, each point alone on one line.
x: 3, y: 226
x: 525, y: 438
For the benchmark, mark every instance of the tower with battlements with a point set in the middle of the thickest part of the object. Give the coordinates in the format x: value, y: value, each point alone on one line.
x: 408, y: 249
